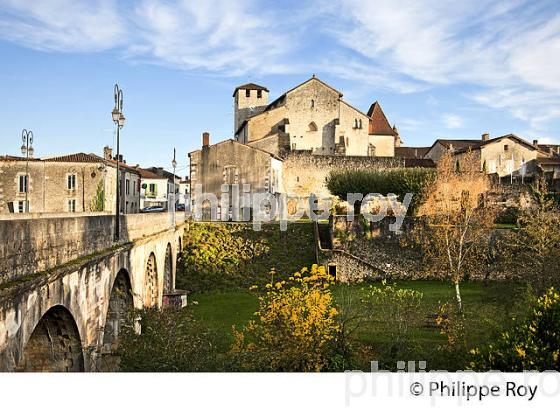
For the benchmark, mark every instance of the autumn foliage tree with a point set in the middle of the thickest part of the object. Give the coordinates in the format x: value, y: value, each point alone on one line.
x: 455, y: 225
x: 295, y: 327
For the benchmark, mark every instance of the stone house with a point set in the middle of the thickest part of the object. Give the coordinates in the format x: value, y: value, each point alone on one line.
x: 310, y: 117
x: 153, y: 189
x: 70, y: 183
x: 507, y: 156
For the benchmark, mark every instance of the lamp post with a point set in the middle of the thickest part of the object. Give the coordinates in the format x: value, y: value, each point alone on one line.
x: 118, y: 119
x: 27, y: 150
x: 174, y: 164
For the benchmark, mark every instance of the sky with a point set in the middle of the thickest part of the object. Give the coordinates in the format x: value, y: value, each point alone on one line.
x: 440, y: 69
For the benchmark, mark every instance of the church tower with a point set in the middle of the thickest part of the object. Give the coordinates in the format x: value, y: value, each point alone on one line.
x: 249, y: 99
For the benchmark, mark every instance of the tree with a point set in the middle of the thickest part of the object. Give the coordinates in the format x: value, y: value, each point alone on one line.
x: 98, y: 201
x: 455, y: 227
x: 295, y: 327
x: 534, y: 250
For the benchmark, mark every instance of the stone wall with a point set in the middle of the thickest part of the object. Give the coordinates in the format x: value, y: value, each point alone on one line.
x: 34, y: 245
x: 305, y: 173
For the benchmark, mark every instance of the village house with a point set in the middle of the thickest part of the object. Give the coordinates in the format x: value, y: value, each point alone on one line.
x: 69, y: 183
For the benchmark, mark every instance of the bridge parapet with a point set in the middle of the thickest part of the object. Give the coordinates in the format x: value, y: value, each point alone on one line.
x: 37, y: 244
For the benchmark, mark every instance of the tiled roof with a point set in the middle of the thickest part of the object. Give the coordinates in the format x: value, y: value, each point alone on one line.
x: 459, y: 144
x: 147, y: 174
x: 13, y: 158
x: 378, y: 124
x: 411, y: 152
x: 548, y: 160
x: 249, y: 86
x: 78, y: 157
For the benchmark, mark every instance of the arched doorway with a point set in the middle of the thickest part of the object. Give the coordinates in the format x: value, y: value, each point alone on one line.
x: 168, y: 270
x: 151, y: 282
x: 54, y: 345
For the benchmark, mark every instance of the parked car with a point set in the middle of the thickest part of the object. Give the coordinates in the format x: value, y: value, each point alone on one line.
x: 153, y: 208
x: 180, y: 207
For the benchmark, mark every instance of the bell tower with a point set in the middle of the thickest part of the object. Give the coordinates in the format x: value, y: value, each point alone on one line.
x: 249, y: 99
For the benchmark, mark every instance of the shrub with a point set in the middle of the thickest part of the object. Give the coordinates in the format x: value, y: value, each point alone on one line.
x: 534, y: 344
x: 295, y: 327
x: 230, y: 256
x: 508, y: 216
x: 170, y: 341
x: 399, y: 309
x: 398, y: 181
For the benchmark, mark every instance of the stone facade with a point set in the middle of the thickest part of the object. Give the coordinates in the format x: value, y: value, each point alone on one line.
x: 71, y: 183
x: 315, y: 118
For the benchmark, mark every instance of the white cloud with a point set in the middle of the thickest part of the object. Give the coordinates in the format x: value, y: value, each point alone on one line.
x: 510, y: 49
x: 452, y: 121
x: 62, y: 25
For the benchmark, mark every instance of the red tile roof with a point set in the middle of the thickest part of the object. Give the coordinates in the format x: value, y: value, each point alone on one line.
x: 378, y: 123
x: 78, y: 157
x: 411, y: 152
x: 13, y: 158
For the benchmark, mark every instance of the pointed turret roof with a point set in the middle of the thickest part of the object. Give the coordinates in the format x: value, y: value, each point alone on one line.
x: 378, y: 124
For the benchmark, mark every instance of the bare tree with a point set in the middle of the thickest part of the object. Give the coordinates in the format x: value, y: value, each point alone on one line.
x: 455, y: 226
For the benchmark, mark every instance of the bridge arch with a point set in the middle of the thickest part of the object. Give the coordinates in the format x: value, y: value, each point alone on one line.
x: 151, y: 293
x: 120, y: 306
x: 54, y: 344
x: 168, y: 269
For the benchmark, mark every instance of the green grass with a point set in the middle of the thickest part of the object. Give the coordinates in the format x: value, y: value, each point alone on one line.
x: 488, y: 309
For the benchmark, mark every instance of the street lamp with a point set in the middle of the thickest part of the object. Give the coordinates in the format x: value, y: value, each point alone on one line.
x: 118, y: 119
x: 27, y: 150
x: 174, y: 164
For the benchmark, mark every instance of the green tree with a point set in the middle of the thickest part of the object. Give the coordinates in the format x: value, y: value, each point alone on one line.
x: 98, y: 201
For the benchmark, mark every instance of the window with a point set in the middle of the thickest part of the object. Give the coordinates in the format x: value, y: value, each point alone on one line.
x: 133, y: 187
x: 23, y: 183
x: 259, y: 93
x: 506, y: 147
x: 21, y: 206
x: 71, y: 181
x: 247, y: 93
x: 127, y: 187
x: 71, y: 205
x: 360, y: 124
x: 312, y: 127
x: 356, y: 123
x: 151, y: 192
x: 294, y: 146
x: 312, y: 103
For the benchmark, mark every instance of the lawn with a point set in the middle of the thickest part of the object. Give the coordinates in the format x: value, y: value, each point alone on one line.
x: 488, y: 309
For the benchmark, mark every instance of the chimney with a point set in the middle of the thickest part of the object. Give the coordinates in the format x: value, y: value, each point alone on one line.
x: 536, y: 143
x: 205, y: 139
x: 107, y: 152
x: 485, y: 136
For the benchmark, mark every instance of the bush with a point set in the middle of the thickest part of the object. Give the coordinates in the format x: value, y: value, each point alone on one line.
x: 508, y: 216
x: 398, y: 181
x: 230, y: 256
x: 170, y: 341
x: 534, y: 344
x: 295, y: 329
x: 399, y: 309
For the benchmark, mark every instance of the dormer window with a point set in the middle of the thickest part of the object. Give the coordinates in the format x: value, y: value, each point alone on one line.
x: 247, y: 93
x: 259, y: 93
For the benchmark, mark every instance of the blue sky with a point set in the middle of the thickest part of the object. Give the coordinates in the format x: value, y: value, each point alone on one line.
x: 439, y: 69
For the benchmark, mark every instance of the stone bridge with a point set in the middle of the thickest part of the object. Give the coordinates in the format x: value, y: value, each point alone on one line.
x: 66, y: 287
